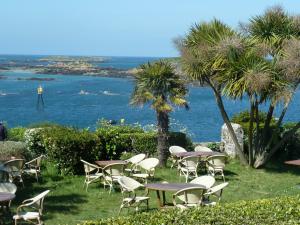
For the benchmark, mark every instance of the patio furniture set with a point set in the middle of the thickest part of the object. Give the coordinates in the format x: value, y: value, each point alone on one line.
x: 126, y: 173
x: 11, y: 172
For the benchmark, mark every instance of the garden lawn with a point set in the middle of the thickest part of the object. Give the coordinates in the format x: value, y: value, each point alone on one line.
x: 69, y: 203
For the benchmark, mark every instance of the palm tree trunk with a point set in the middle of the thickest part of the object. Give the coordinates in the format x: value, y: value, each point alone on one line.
x: 250, y: 135
x: 225, y: 117
x: 265, y: 157
x: 162, y: 138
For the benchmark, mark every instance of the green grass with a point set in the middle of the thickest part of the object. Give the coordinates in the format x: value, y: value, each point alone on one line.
x: 69, y: 203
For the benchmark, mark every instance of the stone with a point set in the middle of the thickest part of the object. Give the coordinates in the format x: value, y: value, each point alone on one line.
x: 227, y: 144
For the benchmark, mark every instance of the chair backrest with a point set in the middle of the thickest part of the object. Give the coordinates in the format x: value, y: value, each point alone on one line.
x: 190, y: 161
x: 4, y: 176
x: 192, y: 195
x: 37, y: 161
x: 217, y: 160
x: 217, y: 190
x: 206, y: 180
x: 8, y: 187
x: 88, y: 167
x: 38, y: 201
x: 15, y: 165
x: 149, y: 164
x: 115, y: 169
x: 137, y: 158
x: 200, y: 148
x: 129, y: 184
x: 176, y: 149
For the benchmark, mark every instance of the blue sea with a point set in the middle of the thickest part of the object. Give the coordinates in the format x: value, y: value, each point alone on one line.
x: 81, y: 101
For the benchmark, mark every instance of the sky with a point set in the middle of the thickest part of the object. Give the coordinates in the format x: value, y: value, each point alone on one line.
x: 114, y: 27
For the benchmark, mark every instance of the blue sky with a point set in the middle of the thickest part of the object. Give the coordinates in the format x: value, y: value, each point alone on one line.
x: 114, y: 27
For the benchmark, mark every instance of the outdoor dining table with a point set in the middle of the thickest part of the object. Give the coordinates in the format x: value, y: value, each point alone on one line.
x: 171, y: 187
x: 5, y: 197
x: 200, y: 154
x: 104, y: 163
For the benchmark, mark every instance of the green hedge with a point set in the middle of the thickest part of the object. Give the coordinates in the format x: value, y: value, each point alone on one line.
x: 66, y: 146
x: 282, y: 210
x: 16, y: 134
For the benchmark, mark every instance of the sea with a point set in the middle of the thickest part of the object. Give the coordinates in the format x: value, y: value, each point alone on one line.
x: 81, y: 101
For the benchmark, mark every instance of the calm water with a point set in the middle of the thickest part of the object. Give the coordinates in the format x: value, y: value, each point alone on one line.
x: 81, y: 100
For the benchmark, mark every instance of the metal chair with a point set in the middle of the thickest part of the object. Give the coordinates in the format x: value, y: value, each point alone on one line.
x: 215, y: 191
x: 216, y: 165
x: 36, y: 203
x: 34, y: 167
x: 189, y: 167
x: 189, y: 197
x: 92, y: 173
x: 206, y: 180
x: 148, y: 169
x: 15, y: 169
x: 112, y: 173
x: 175, y: 149
x: 134, y: 160
x: 129, y: 186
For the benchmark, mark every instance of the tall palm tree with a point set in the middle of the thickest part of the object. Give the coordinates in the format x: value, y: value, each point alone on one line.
x: 157, y: 83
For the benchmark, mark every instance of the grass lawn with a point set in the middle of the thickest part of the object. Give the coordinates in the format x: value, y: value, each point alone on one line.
x: 69, y: 203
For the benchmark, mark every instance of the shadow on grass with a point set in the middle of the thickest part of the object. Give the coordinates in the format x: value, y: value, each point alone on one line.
x: 280, y: 167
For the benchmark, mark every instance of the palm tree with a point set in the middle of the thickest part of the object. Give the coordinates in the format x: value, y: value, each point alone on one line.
x: 260, y: 64
x: 157, y: 83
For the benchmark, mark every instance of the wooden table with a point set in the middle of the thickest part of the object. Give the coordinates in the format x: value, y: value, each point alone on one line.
x: 109, y: 162
x: 293, y: 162
x: 200, y: 154
x: 172, y: 187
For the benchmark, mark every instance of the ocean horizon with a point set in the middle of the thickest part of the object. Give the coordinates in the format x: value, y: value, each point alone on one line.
x: 80, y: 100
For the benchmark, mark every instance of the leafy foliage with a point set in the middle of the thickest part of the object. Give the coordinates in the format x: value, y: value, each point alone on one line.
x: 10, y: 149
x: 277, y: 211
x: 66, y: 146
x: 16, y: 134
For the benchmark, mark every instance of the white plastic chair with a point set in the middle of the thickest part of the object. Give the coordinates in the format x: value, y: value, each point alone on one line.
x: 189, y: 167
x: 215, y: 191
x: 34, y: 167
x: 134, y: 160
x: 36, y: 203
x: 200, y: 148
x: 10, y: 188
x: 148, y: 168
x: 15, y: 169
x: 175, y: 149
x: 129, y: 186
x: 206, y: 180
x: 112, y: 173
x: 92, y: 173
x: 216, y: 165
x: 189, y: 197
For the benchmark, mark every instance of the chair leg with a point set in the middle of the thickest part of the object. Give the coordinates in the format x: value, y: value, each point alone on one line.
x: 121, y: 207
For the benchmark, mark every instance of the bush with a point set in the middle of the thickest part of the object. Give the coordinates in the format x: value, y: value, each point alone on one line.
x: 35, y: 141
x: 243, y: 118
x: 10, y: 149
x: 66, y: 146
x: 277, y: 211
x: 291, y: 149
x: 112, y: 140
x: 16, y: 134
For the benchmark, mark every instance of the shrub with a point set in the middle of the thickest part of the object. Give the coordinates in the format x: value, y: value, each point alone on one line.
x: 35, y: 141
x: 243, y: 118
x: 291, y: 149
x: 112, y: 140
x: 66, y: 146
x: 10, y: 149
x: 16, y: 134
x: 277, y: 211
x: 215, y: 146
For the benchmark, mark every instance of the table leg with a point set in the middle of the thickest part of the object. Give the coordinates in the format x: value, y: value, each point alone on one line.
x: 164, y: 198
x: 158, y: 199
